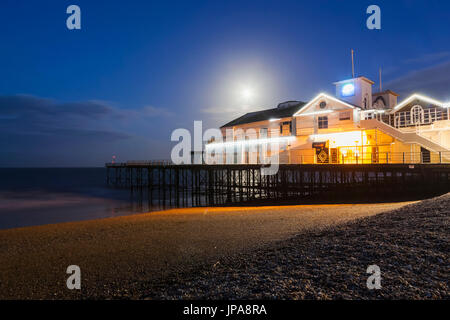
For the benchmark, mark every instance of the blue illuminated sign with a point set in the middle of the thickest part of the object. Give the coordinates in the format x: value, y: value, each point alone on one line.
x: 348, y: 90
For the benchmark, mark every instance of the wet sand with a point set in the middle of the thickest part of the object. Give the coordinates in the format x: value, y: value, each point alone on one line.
x: 124, y: 257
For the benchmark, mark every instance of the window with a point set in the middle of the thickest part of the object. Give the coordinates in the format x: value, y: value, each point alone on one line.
x: 366, y: 101
x: 344, y: 115
x: 323, y: 122
x: 263, y: 133
x: 286, y: 128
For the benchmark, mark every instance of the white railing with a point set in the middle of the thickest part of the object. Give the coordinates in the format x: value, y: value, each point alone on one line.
x: 428, y: 116
x: 406, y: 119
x: 406, y: 137
x: 377, y: 158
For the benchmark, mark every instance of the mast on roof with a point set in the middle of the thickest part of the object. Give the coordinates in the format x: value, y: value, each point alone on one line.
x: 353, y: 65
x: 381, y: 85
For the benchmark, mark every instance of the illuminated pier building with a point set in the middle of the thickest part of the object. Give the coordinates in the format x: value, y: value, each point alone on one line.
x: 354, y: 126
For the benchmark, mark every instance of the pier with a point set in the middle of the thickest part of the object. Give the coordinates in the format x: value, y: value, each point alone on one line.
x: 214, y: 185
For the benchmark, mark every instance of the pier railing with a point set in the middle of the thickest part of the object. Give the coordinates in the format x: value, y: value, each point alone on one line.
x: 357, y: 156
x: 140, y: 163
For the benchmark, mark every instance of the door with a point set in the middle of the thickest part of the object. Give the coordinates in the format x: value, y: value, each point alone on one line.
x: 375, y: 156
x: 426, y: 156
x: 417, y: 115
x: 334, y: 155
x: 322, y: 155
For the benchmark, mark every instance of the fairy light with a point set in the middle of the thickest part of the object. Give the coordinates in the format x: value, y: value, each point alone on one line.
x: 319, y: 96
x: 250, y: 142
x: 423, y: 98
x: 314, y: 113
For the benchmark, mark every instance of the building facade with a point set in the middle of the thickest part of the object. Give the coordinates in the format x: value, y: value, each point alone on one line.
x: 355, y: 126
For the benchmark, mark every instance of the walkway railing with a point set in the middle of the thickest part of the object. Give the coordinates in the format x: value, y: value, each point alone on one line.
x: 377, y: 158
x: 355, y: 158
x: 406, y: 119
x: 131, y: 163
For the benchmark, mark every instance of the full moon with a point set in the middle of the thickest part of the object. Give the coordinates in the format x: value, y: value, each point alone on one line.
x: 247, y: 93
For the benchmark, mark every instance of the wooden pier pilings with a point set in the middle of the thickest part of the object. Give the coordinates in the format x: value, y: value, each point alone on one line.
x: 201, y: 185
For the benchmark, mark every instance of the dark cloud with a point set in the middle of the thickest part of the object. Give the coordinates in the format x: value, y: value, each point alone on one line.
x: 29, y: 114
x: 67, y: 133
x: 40, y: 107
x: 433, y: 81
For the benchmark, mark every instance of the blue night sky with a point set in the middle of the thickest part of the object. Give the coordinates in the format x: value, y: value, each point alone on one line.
x: 137, y: 70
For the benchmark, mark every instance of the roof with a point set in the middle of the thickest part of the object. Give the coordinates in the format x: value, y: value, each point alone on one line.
x: 324, y: 96
x: 420, y: 98
x: 379, y: 98
x: 384, y: 92
x: 362, y: 78
x: 281, y: 111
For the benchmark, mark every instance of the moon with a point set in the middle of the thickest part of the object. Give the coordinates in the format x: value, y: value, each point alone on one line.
x: 247, y: 93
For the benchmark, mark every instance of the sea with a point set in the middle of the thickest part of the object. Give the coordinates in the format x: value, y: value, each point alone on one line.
x: 39, y: 196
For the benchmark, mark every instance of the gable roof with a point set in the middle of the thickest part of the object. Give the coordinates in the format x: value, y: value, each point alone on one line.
x: 384, y: 92
x: 321, y: 96
x: 275, y: 113
x: 419, y: 97
x: 379, y: 98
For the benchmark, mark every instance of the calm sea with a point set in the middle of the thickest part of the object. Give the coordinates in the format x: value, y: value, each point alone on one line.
x: 37, y: 196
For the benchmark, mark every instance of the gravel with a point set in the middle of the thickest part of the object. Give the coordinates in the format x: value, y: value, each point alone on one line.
x: 410, y: 245
x: 286, y: 252
x: 124, y: 257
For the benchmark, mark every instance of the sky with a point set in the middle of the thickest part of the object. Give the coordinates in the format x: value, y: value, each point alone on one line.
x: 137, y: 70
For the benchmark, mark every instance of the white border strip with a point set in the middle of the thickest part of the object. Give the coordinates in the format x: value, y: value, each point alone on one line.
x: 423, y: 98
x: 249, y: 142
x: 324, y: 95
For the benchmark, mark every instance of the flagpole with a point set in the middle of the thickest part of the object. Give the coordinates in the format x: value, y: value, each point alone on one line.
x: 381, y: 86
x: 353, y: 66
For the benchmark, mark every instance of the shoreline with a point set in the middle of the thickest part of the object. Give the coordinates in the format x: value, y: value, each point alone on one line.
x: 125, y: 257
x: 208, y: 209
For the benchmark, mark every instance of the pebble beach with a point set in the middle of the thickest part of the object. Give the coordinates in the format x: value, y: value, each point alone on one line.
x: 410, y: 245
x: 286, y: 252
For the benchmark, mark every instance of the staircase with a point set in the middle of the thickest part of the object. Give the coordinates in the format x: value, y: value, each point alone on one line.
x: 406, y: 137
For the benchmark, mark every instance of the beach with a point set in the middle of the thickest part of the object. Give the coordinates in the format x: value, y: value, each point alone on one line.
x: 239, y: 252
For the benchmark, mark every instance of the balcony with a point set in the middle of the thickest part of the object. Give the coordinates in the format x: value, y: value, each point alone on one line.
x: 418, y: 117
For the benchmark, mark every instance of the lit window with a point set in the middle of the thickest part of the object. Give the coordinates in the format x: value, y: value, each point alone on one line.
x: 323, y: 122
x: 344, y: 115
x: 286, y: 128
